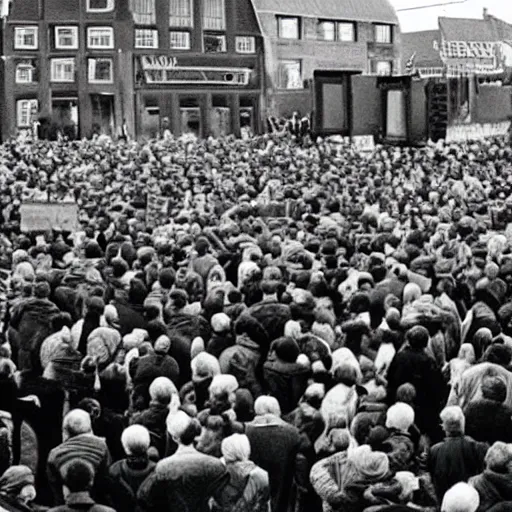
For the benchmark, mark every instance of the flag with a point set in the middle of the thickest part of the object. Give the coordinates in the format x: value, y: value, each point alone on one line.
x: 409, y: 67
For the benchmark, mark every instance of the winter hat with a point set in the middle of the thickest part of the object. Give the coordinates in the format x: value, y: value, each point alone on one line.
x: 286, y: 349
x: 204, y: 365
x: 15, y: 478
x: 162, y: 344
x: 197, y: 347
x: 373, y: 466
x: 292, y: 329
x: 461, y: 497
x: 400, y: 416
x: 220, y: 323
x: 103, y: 344
x: 223, y: 384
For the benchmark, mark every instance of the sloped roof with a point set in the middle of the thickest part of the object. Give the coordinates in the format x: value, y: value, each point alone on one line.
x: 465, y: 29
x: 359, y: 10
x: 502, y: 29
x: 422, y: 44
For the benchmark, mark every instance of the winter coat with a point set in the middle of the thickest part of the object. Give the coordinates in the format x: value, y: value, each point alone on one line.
x: 493, y: 488
x: 469, y: 387
x: 247, y: 491
x: 218, y: 343
x: 489, y: 421
x: 308, y: 420
x: 454, y: 460
x: 286, y: 381
x: 131, y: 316
x: 273, y: 316
x: 125, y: 478
x: 400, y: 450
x: 149, y: 367
x: 280, y: 461
x: 154, y: 419
x: 81, y: 502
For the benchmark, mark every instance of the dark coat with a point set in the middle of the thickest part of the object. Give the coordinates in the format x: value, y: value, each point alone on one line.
x: 493, y: 488
x: 154, y: 419
x: 489, y: 421
x: 273, y: 316
x: 81, y: 502
x: 286, y: 381
x: 218, y: 343
x: 131, y: 316
x: 454, y: 460
x: 148, y: 368
x: 400, y: 449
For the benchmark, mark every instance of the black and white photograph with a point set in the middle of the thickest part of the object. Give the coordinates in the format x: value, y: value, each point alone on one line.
x: 255, y: 256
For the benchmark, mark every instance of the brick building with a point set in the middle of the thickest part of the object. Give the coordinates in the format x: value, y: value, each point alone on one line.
x: 98, y: 65
x: 313, y: 46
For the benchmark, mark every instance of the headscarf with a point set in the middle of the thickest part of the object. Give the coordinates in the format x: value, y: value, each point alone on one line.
x: 412, y: 292
x: 371, y: 466
x: 236, y: 448
x: 461, y: 498
x: 14, y: 479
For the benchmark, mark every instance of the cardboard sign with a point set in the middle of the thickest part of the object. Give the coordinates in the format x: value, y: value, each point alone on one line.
x: 363, y: 143
x: 47, y: 216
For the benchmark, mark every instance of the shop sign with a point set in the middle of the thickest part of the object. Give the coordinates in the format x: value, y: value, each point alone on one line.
x: 158, y: 62
x: 469, y: 50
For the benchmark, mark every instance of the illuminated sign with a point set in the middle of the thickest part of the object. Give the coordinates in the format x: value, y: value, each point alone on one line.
x: 165, y: 70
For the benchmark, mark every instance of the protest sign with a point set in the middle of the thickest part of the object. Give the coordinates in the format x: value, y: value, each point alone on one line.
x: 48, y: 216
x: 363, y: 143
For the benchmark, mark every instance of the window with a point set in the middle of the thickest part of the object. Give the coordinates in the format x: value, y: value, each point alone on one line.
x: 383, y: 34
x: 383, y: 68
x: 146, y: 38
x: 290, y: 74
x: 100, y: 5
x: 143, y: 12
x: 288, y: 28
x: 100, y: 71
x: 326, y: 30
x: 25, y: 72
x: 214, y: 43
x: 213, y: 15
x: 100, y: 37
x: 66, y: 38
x: 245, y: 44
x: 25, y: 38
x: 180, y: 13
x: 63, y: 70
x: 346, y: 31
x: 180, y: 40
x: 26, y: 112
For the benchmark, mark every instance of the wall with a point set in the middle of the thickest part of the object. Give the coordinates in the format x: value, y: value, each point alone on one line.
x: 493, y: 104
x: 418, y: 112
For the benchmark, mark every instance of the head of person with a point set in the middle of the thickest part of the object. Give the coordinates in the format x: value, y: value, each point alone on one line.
x: 136, y: 441
x: 499, y: 458
x: 406, y: 393
x: 183, y: 428
x: 267, y: 405
x: 76, y: 422
x: 494, y: 388
x: 162, y: 390
x: 467, y: 353
x: 204, y: 366
x: 453, y: 420
x: 498, y: 354
x: 236, y: 448
x: 400, y: 416
x: 461, y: 498
x: 286, y: 349
x: 18, y: 483
x: 91, y: 406
x: 78, y: 477
x: 371, y: 466
x: 162, y: 345
x: 221, y: 323
x: 417, y: 337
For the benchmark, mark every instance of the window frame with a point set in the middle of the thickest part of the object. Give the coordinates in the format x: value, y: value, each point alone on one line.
x: 280, y: 19
x: 282, y: 62
x: 24, y: 46
x: 74, y: 30
x: 92, y: 80
x: 154, y: 32
x: 376, y: 66
x: 216, y: 35
x: 140, y: 18
x: 190, y: 23
x: 376, y: 28
x: 31, y: 102
x: 241, y: 40
x: 27, y: 66
x: 216, y: 28
x: 318, y: 32
x: 54, y: 62
x: 100, y: 47
x: 354, y: 32
x: 110, y: 7
x: 180, y: 32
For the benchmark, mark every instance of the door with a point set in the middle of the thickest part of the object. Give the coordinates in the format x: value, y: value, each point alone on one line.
x: 191, y: 121
x: 103, y: 121
x: 65, y: 116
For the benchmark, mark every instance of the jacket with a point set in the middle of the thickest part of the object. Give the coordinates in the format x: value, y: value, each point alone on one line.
x: 273, y: 316
x: 489, y: 421
x: 86, y: 447
x: 154, y: 419
x: 286, y: 381
x: 400, y: 449
x: 131, y: 316
x: 456, y: 459
x: 82, y: 502
x: 184, y: 482
x: 151, y: 366
x: 493, y: 488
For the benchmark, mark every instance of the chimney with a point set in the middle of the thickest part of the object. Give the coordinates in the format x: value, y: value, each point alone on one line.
x: 486, y: 13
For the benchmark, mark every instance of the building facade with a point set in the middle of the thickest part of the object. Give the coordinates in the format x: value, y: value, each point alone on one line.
x: 135, y: 66
x: 312, y: 48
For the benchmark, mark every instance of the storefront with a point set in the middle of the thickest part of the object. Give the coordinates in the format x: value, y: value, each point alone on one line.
x: 185, y: 96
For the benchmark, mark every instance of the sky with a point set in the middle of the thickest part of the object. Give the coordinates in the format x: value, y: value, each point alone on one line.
x: 426, y: 19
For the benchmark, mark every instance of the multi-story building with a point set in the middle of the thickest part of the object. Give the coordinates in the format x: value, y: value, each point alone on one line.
x: 313, y: 46
x: 145, y: 65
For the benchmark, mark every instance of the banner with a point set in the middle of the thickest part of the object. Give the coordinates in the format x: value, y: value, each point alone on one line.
x: 363, y: 143
x: 48, y: 216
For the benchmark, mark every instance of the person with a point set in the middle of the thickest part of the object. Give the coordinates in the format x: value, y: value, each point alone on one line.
x: 79, y: 443
x: 78, y: 479
x: 460, y: 498
x: 494, y: 484
x: 268, y: 429
x: 127, y: 475
x: 188, y: 479
x: 248, y: 488
x: 17, y: 489
x: 399, y: 445
x: 458, y: 457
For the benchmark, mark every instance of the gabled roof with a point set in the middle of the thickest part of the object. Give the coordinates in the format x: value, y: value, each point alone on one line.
x: 358, y: 10
x: 422, y: 44
x: 465, y: 29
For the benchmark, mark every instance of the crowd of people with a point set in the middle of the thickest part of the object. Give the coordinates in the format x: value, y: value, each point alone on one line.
x: 353, y: 354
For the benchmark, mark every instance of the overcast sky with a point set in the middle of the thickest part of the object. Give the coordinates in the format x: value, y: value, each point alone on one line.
x: 426, y: 19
